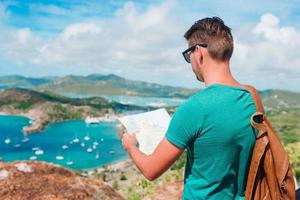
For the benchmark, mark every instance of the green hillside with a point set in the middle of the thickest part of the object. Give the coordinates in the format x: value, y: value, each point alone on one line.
x: 23, y: 82
x: 50, y: 107
x: 95, y: 85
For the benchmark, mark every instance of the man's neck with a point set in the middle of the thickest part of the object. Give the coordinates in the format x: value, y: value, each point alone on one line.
x: 219, y: 73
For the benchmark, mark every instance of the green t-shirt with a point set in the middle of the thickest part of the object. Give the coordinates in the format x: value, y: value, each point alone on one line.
x: 214, y: 127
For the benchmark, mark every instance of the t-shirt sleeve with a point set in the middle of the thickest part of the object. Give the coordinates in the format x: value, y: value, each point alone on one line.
x: 185, y: 125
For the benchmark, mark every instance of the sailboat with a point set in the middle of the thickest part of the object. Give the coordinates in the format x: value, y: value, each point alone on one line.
x: 70, y: 163
x: 87, y: 137
x: 25, y: 138
x: 95, y: 143
x: 17, y: 145
x: 97, y: 155
x: 112, y: 152
x: 59, y: 157
x: 76, y: 140
x: 35, y: 148
x: 39, y: 152
x: 7, y: 141
x: 32, y: 158
x: 89, y: 150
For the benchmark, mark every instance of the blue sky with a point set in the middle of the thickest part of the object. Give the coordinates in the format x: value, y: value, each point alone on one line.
x: 143, y: 40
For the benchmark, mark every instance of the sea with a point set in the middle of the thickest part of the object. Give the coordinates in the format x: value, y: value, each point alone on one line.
x: 72, y: 144
x: 135, y: 100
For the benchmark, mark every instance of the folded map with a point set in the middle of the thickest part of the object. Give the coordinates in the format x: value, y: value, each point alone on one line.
x: 149, y: 127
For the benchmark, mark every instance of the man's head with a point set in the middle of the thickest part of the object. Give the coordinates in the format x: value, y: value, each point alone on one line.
x: 216, y: 43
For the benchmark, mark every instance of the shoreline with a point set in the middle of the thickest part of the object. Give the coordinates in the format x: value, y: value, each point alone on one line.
x: 36, y: 124
x: 116, y: 165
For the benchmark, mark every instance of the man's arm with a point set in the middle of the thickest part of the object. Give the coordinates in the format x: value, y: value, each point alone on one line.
x: 154, y: 165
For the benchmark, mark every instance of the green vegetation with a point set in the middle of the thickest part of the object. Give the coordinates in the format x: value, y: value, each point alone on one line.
x: 287, y: 124
x: 293, y: 150
x: 95, y: 85
x: 62, y: 112
x: 23, y: 105
x: 123, y: 177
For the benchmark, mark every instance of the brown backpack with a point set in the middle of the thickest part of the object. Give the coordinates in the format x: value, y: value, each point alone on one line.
x: 270, y: 175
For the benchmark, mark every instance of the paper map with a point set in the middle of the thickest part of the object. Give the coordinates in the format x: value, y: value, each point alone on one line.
x: 149, y: 127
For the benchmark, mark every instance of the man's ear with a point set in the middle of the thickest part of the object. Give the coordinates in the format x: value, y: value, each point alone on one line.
x: 200, y: 54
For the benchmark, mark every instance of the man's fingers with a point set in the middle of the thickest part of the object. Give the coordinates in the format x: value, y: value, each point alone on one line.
x: 121, y: 130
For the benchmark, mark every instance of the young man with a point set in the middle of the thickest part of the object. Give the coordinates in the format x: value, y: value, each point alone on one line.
x: 213, y: 125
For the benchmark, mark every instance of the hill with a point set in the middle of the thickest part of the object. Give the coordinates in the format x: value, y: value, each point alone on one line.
x: 23, y: 82
x: 24, y: 180
x: 105, y: 85
x: 50, y: 107
x: 280, y: 99
x: 95, y: 85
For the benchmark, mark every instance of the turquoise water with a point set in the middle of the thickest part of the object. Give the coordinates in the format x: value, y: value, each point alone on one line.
x: 146, y: 101
x: 136, y: 100
x: 60, y: 140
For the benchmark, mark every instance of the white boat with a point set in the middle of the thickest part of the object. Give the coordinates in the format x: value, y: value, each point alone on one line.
x: 70, y: 163
x: 35, y: 148
x: 64, y: 146
x: 17, y: 145
x: 32, y: 158
x: 94, y: 147
x: 39, y: 152
x: 59, y: 157
x: 82, y: 144
x: 95, y: 143
x: 91, y: 120
x: 31, y: 121
x: 89, y: 150
x: 87, y: 137
x: 25, y: 139
x: 7, y: 141
x: 76, y: 140
x: 97, y: 155
x: 112, y: 152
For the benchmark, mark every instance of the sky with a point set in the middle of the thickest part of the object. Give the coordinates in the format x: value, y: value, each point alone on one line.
x: 143, y: 40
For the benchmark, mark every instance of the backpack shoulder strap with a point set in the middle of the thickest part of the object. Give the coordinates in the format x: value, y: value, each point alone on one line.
x: 256, y: 98
x: 258, y: 117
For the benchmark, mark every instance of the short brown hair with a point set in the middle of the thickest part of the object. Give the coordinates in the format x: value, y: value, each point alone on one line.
x: 213, y: 32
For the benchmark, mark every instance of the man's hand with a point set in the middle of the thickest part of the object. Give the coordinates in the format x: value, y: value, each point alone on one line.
x: 128, y: 141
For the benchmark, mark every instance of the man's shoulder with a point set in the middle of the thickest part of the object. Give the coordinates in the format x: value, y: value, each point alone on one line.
x: 199, y: 98
x: 194, y: 102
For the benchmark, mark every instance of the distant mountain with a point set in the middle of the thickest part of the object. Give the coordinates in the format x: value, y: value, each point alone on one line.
x: 95, y: 85
x: 23, y: 82
x: 280, y: 99
x: 102, y: 85
x: 99, y: 85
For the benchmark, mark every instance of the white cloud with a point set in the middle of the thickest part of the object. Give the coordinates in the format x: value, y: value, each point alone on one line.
x: 147, y: 46
x: 147, y: 43
x: 269, y: 54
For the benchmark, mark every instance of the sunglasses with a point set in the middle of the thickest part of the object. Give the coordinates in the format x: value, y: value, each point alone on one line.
x: 186, y: 53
